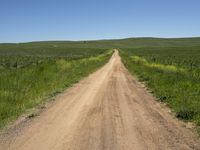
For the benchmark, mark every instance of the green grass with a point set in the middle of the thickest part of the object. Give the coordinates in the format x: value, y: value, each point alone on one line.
x: 55, y: 47
x: 32, y: 72
x: 173, y: 75
x: 27, y: 81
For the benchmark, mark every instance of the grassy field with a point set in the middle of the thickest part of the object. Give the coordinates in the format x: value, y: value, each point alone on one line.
x: 173, y: 75
x: 32, y: 74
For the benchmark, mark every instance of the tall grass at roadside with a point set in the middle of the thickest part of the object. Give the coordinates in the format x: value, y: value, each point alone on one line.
x: 26, y: 87
x: 24, y: 65
x: 175, y: 82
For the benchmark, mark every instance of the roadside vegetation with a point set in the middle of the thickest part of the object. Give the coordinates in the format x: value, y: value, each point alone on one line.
x: 31, y: 73
x: 28, y: 78
x: 172, y: 74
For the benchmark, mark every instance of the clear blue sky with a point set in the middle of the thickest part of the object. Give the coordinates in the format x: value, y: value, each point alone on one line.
x: 30, y: 20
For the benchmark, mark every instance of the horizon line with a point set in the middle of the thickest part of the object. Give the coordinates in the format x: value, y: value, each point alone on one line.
x: 103, y: 39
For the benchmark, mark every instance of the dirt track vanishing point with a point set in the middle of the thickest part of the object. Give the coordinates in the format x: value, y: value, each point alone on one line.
x: 109, y: 110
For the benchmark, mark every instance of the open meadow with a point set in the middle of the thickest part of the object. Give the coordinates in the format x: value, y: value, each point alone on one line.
x: 172, y: 74
x: 32, y: 73
x: 109, y: 102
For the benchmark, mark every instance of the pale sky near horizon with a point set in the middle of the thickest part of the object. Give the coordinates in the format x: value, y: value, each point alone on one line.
x: 38, y: 20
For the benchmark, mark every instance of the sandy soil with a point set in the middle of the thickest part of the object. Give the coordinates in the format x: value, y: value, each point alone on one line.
x: 109, y: 110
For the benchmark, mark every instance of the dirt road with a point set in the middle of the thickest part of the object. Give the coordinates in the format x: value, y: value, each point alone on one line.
x: 109, y: 110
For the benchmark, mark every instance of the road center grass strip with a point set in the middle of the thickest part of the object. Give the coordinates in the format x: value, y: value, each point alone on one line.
x: 25, y: 88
